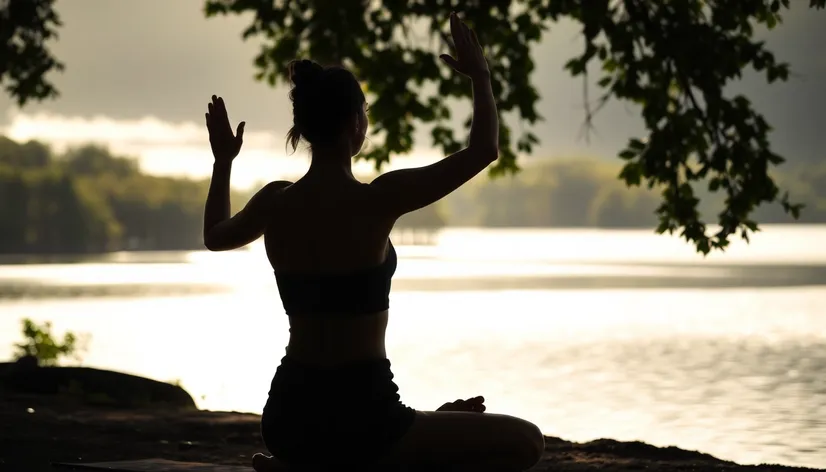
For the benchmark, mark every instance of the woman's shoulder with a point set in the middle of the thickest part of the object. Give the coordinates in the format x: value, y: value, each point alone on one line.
x: 276, y: 186
x: 273, y: 189
x: 267, y: 195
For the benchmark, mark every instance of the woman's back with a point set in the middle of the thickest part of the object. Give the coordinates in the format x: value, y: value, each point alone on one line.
x: 326, y: 225
x: 329, y: 250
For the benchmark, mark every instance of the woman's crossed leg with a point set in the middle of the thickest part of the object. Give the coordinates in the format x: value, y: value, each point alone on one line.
x: 457, y: 437
x: 461, y: 441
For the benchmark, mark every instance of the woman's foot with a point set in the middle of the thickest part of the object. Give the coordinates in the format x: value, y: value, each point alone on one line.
x: 476, y: 404
x: 262, y: 463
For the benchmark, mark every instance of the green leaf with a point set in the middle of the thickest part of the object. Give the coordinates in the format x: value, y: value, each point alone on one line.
x: 636, y: 145
x: 628, y: 154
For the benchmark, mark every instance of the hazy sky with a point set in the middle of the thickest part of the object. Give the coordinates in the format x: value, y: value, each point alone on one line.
x: 139, y: 74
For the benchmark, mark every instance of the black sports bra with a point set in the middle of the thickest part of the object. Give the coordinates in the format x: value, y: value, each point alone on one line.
x: 354, y: 293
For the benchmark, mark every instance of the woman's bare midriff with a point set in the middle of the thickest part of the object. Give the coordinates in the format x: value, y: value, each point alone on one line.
x: 336, y: 339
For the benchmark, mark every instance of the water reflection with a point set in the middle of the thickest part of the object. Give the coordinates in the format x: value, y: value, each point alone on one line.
x: 127, y: 257
x: 630, y: 276
x: 26, y: 290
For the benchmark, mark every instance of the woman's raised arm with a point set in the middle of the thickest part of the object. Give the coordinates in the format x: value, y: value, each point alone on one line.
x: 405, y: 190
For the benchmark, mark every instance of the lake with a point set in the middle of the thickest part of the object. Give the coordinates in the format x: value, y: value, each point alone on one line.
x: 588, y: 333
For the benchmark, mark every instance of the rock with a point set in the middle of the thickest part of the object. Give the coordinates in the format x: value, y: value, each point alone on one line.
x: 92, y: 386
x: 26, y: 364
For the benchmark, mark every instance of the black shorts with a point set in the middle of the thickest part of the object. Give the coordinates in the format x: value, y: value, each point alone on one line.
x: 346, y: 414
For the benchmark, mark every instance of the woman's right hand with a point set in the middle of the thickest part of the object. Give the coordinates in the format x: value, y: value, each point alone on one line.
x: 470, y: 59
x: 225, y: 145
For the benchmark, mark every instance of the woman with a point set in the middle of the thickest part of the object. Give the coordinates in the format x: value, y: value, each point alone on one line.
x: 333, y: 400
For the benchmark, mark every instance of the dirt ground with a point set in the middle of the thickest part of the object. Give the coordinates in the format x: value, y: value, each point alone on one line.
x: 34, y: 432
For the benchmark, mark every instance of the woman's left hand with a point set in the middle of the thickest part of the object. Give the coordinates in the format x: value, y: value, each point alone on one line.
x: 225, y: 145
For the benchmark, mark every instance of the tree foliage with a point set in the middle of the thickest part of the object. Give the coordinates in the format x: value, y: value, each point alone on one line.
x: 25, y: 59
x: 674, y: 59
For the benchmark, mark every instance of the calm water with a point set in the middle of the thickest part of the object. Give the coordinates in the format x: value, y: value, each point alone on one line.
x: 620, y: 334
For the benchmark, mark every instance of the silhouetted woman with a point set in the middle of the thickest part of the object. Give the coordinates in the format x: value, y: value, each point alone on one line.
x: 333, y: 400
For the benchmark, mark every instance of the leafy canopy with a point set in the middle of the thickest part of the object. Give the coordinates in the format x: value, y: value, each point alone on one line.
x: 25, y: 26
x: 672, y: 58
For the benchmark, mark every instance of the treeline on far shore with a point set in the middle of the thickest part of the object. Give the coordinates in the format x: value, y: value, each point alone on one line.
x: 87, y: 200
x: 586, y: 192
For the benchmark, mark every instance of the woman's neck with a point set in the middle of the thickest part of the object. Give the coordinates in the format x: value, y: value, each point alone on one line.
x: 331, y: 163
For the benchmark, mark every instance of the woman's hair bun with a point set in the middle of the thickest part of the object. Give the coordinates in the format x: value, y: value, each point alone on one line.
x: 305, y: 72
